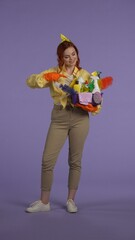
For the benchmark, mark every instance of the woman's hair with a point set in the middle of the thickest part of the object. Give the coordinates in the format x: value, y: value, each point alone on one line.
x: 60, y: 50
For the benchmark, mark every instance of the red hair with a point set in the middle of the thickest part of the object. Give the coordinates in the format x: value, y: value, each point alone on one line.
x: 60, y: 50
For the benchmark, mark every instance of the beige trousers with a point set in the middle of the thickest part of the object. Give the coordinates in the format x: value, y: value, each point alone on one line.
x: 71, y: 123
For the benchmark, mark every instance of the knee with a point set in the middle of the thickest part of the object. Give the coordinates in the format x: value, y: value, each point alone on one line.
x: 47, y: 166
x: 75, y: 165
x: 74, y: 161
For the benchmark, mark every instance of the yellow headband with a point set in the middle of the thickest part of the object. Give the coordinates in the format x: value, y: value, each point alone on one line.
x: 63, y: 38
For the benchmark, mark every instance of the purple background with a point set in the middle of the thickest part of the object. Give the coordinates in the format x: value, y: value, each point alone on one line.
x: 103, y: 31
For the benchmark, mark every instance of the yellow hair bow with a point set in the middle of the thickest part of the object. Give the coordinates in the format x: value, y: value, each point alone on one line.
x: 64, y: 38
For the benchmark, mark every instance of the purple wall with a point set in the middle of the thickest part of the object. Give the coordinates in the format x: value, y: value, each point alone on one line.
x: 29, y: 34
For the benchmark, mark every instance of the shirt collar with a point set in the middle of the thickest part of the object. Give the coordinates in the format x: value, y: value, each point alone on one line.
x: 63, y: 70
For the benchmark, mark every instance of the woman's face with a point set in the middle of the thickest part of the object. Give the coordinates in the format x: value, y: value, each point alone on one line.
x: 70, y: 57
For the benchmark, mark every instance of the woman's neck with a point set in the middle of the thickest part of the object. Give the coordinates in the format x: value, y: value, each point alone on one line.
x: 69, y: 70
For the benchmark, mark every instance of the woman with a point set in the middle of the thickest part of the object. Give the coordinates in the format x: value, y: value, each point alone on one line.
x: 67, y: 121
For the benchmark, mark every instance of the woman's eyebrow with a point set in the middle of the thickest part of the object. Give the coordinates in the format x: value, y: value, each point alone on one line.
x: 69, y: 54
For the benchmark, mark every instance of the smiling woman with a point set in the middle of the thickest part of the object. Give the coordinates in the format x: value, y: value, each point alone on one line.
x: 68, y: 54
x: 67, y: 121
x: 70, y: 57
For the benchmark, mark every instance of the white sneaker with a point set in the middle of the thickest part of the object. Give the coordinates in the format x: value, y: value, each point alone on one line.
x: 38, y: 206
x: 71, y: 207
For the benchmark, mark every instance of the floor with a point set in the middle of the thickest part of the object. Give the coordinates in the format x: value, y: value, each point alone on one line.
x: 97, y: 219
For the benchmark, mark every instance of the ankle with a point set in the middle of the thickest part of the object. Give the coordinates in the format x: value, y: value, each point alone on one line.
x: 72, y: 199
x: 44, y: 201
